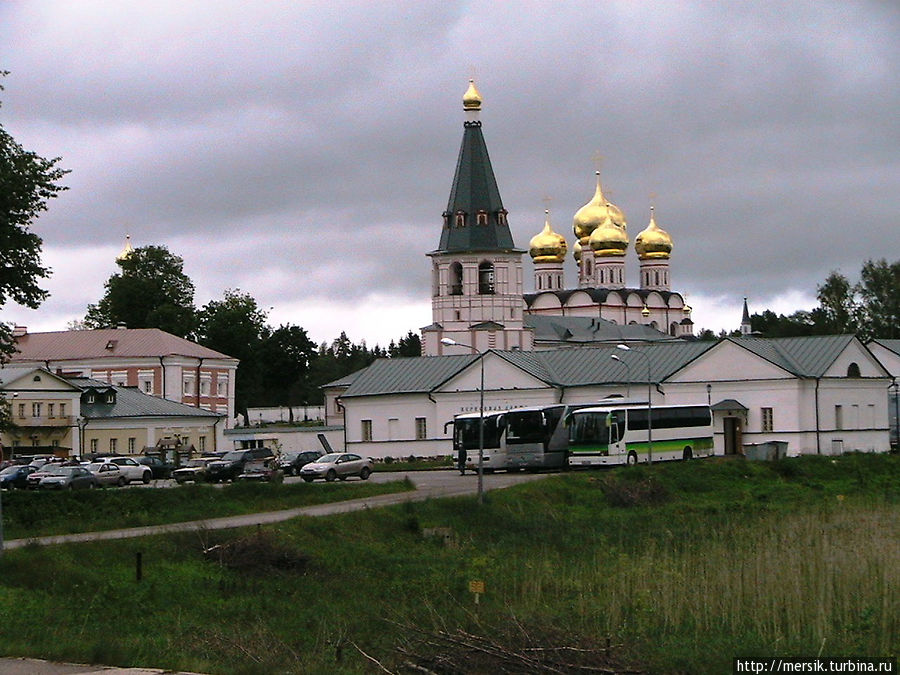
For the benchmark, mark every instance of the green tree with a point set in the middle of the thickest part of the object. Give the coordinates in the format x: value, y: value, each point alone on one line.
x: 837, y: 310
x: 27, y: 183
x: 151, y: 290
x: 879, y: 300
x: 286, y: 355
x: 409, y: 345
x: 236, y: 326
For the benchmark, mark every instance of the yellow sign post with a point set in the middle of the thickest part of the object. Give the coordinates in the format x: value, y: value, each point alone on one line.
x: 476, y: 588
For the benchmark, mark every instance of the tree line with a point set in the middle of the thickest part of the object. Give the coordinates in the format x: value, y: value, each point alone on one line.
x: 870, y: 308
x: 278, y: 366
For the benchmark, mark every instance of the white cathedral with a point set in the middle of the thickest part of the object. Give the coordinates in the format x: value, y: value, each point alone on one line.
x: 477, y: 271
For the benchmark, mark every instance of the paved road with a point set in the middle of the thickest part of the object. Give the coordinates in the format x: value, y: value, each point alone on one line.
x: 429, y: 484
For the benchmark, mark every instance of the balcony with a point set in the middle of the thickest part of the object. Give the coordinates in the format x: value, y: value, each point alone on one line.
x: 44, y: 421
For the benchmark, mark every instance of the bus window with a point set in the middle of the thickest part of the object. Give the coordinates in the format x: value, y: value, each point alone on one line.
x: 525, y: 427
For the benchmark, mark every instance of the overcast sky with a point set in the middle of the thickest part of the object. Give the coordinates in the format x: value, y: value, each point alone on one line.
x: 303, y: 152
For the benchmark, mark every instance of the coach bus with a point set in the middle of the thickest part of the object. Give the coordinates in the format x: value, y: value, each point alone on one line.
x: 536, y: 438
x: 620, y: 434
x: 466, y: 435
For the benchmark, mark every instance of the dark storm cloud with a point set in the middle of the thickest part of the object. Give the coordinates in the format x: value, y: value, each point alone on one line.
x: 306, y: 151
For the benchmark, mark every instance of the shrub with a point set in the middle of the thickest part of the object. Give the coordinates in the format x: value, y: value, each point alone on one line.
x: 629, y: 492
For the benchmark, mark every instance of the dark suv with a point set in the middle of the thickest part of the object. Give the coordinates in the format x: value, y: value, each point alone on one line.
x: 232, y: 463
x: 293, y: 462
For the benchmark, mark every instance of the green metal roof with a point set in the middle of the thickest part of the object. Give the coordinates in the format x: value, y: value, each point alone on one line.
x: 892, y: 345
x: 808, y: 356
x: 558, y: 367
x: 589, y: 330
x: 475, y: 189
x: 131, y: 402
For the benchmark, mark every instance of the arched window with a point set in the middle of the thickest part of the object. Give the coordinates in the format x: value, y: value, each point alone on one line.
x: 486, y: 278
x: 482, y: 218
x: 456, y: 279
x: 853, y: 370
x: 460, y: 219
x: 673, y: 328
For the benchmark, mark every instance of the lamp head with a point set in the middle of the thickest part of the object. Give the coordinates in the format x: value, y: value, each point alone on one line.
x: 624, y: 348
x: 449, y: 342
x: 615, y: 357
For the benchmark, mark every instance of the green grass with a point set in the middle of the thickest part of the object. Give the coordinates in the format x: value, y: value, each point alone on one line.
x: 29, y: 514
x: 681, y: 566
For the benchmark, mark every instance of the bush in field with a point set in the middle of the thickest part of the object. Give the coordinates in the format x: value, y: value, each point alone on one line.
x: 625, y: 491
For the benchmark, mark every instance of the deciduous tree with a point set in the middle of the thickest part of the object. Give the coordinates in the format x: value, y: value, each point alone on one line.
x: 151, y: 290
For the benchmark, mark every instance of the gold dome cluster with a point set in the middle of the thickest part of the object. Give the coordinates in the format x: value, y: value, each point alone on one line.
x: 548, y: 246
x: 653, y: 242
x: 472, y: 99
x: 595, y: 213
x: 609, y: 239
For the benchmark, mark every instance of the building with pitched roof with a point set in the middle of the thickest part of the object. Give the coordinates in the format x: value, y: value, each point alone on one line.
x: 820, y: 395
x: 155, y: 362
x: 72, y: 416
x: 888, y: 352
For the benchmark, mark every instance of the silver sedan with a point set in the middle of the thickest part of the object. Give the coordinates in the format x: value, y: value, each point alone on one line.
x: 337, y: 465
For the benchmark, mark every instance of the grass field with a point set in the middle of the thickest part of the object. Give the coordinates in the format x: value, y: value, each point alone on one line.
x: 673, y: 568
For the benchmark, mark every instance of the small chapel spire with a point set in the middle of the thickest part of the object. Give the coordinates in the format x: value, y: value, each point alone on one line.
x: 127, y: 250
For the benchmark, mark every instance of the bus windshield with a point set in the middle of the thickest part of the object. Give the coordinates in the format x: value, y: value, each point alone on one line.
x: 466, y: 431
x: 525, y: 427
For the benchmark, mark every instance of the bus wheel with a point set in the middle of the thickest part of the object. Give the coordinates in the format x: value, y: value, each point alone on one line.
x: 632, y: 458
x: 687, y: 454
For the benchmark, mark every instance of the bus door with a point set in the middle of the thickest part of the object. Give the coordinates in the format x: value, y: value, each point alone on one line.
x: 615, y: 422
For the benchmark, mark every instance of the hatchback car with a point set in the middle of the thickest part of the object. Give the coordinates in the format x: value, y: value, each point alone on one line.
x: 107, y: 473
x: 16, y: 476
x: 337, y: 465
x: 158, y: 467
x: 64, y: 477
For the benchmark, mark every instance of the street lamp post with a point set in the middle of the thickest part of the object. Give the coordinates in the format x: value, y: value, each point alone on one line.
x: 451, y: 343
x: 626, y: 348
x: 615, y: 357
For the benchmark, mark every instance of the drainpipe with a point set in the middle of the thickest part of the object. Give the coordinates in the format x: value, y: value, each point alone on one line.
x: 162, y: 368
x: 818, y: 441
x: 562, y: 394
x: 199, y: 363
x: 215, y: 436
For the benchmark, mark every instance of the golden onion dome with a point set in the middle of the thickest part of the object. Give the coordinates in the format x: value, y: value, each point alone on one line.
x: 593, y: 214
x: 653, y: 242
x: 609, y: 239
x: 548, y: 246
x: 472, y: 99
x: 127, y: 250
x: 576, y: 251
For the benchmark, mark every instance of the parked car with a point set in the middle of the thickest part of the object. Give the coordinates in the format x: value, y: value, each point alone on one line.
x: 158, y: 467
x: 292, y: 462
x: 107, y: 473
x: 16, y: 476
x: 262, y: 470
x: 193, y: 470
x: 231, y: 465
x: 131, y: 469
x: 337, y: 465
x: 66, y: 477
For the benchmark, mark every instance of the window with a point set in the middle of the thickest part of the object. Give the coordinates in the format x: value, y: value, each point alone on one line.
x: 486, y: 278
x: 51, y: 409
x: 367, y: 430
x: 767, y: 423
x: 838, y: 417
x: 62, y: 409
x: 421, y: 429
x: 131, y: 442
x: 21, y: 410
x: 201, y: 443
x: 111, y: 397
x: 94, y: 445
x: 188, y: 387
x: 113, y: 442
x: 456, y: 279
x: 222, y: 385
x: 35, y: 409
x: 853, y: 370
x: 148, y: 386
x: 460, y: 219
x: 482, y: 218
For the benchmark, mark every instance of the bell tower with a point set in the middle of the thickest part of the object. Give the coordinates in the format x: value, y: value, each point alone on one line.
x: 476, y: 270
